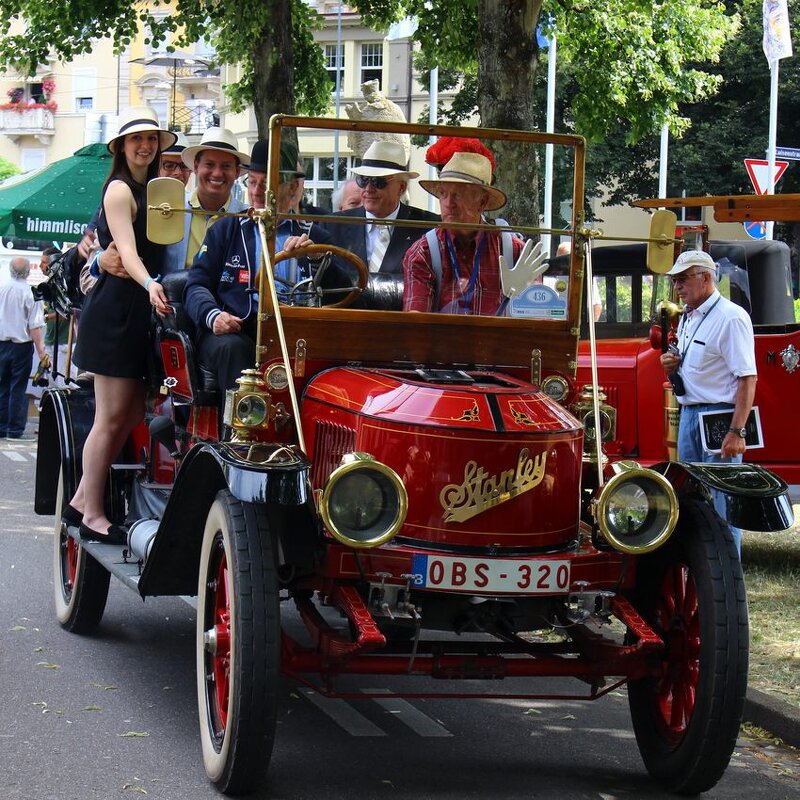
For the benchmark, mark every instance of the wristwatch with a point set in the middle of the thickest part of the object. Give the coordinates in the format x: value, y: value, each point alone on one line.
x: 739, y: 432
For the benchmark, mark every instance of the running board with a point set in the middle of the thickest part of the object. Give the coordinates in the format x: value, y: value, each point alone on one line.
x: 111, y: 557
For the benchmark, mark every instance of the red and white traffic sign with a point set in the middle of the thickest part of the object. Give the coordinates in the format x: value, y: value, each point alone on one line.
x: 758, y: 170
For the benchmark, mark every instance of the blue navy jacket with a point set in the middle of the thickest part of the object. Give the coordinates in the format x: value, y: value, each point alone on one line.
x: 223, y: 275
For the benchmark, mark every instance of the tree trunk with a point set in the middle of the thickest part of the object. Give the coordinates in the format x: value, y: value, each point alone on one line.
x: 508, y: 57
x: 273, y: 67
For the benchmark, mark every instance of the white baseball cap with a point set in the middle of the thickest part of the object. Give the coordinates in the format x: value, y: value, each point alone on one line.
x: 693, y: 258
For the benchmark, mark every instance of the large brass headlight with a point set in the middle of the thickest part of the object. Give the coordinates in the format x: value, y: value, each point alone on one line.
x: 637, y: 510
x: 364, y: 502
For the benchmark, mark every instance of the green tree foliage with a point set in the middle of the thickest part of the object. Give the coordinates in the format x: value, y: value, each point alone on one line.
x: 282, y: 69
x: 726, y: 128
x: 632, y: 63
x: 7, y: 169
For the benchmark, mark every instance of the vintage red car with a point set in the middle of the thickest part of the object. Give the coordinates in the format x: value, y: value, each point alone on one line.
x: 403, y: 480
x: 754, y: 274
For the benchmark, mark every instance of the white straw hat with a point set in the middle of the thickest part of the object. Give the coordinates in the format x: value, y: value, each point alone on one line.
x: 384, y: 159
x: 138, y: 119
x: 472, y: 168
x: 220, y: 139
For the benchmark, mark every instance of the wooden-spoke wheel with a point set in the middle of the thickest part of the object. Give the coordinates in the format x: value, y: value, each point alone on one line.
x: 358, y: 282
x: 80, y: 583
x: 686, y: 714
x: 238, y: 645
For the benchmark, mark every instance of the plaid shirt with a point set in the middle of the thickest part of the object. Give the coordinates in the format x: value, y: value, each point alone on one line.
x: 419, y: 283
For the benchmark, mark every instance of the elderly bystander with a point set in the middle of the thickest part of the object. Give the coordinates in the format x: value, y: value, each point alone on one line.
x: 21, y: 327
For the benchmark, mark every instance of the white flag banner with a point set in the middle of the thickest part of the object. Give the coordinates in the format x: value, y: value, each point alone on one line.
x: 777, y: 34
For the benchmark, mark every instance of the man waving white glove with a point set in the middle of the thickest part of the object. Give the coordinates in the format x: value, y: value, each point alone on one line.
x: 529, y: 266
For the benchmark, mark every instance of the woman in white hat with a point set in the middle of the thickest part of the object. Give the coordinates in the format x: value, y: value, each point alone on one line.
x: 115, y: 318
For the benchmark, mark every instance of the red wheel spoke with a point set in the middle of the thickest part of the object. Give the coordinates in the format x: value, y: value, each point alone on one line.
x: 678, y: 620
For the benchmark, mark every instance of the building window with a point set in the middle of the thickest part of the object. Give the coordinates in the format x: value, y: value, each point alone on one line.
x: 84, y: 88
x: 372, y: 62
x: 319, y: 170
x: 334, y: 64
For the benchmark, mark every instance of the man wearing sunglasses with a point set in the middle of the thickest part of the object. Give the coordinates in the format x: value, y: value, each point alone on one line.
x: 713, y: 367
x: 383, y: 178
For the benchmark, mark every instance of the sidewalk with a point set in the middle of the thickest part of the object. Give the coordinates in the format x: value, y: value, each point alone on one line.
x: 773, y: 714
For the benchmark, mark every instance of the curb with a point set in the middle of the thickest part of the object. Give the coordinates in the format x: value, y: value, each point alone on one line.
x: 769, y: 712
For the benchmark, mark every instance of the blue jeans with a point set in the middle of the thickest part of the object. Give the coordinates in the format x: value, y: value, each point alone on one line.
x: 690, y: 448
x: 15, y: 368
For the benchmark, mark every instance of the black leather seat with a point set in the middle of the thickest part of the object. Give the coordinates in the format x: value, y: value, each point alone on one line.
x: 178, y: 329
x: 382, y: 293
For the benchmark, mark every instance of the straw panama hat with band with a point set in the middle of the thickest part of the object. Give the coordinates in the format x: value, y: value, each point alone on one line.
x: 220, y: 139
x: 693, y: 258
x: 383, y: 160
x: 472, y: 168
x: 139, y: 119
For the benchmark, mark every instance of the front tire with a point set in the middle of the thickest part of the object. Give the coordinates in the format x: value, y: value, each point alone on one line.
x: 80, y: 583
x: 238, y: 645
x: 686, y: 716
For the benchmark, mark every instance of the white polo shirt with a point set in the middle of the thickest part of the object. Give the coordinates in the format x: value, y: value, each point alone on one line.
x: 718, y: 347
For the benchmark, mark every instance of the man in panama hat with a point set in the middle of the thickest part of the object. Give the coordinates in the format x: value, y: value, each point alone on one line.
x: 217, y: 162
x: 463, y: 275
x: 172, y: 165
x: 383, y: 177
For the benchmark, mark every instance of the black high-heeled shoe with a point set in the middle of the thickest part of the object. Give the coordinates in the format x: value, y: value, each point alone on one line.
x: 115, y: 534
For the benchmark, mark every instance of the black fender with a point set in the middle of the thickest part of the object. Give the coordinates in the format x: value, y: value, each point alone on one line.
x: 757, y: 499
x: 65, y: 419
x: 274, y: 476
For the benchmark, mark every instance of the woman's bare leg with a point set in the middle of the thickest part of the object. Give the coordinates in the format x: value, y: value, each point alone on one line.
x: 119, y: 406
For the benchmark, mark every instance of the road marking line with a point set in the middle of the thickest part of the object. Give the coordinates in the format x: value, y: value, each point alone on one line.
x: 344, y: 715
x: 408, y: 714
x: 13, y: 455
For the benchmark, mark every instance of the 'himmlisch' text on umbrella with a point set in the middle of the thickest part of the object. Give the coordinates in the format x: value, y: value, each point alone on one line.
x: 66, y: 226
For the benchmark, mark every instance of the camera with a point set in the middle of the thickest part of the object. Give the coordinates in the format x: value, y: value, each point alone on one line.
x: 676, y: 381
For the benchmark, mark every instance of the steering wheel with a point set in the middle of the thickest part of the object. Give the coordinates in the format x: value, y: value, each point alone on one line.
x: 352, y: 292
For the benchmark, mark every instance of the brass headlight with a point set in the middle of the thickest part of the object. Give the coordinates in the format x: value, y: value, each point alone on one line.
x: 252, y: 410
x: 364, y: 502
x: 637, y: 510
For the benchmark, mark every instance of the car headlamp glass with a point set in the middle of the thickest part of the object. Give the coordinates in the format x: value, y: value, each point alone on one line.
x: 637, y: 510
x: 251, y: 410
x: 364, y: 503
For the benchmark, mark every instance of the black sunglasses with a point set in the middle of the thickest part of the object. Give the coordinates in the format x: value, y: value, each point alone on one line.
x: 378, y: 183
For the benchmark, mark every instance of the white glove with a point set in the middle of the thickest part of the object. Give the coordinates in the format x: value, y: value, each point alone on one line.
x: 529, y: 266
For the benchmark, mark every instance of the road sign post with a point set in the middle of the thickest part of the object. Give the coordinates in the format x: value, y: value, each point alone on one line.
x: 758, y: 170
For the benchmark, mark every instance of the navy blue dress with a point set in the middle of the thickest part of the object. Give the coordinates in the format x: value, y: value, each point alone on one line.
x: 114, y: 328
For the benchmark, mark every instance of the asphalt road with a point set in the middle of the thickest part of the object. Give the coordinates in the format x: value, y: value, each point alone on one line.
x: 114, y: 715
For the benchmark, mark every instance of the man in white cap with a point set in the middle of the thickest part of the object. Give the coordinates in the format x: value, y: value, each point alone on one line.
x: 714, y: 368
x: 457, y: 271
x: 383, y: 178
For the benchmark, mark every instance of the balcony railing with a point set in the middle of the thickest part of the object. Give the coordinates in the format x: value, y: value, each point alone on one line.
x: 24, y: 121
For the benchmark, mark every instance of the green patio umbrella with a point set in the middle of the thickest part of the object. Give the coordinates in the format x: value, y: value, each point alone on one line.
x: 56, y: 202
